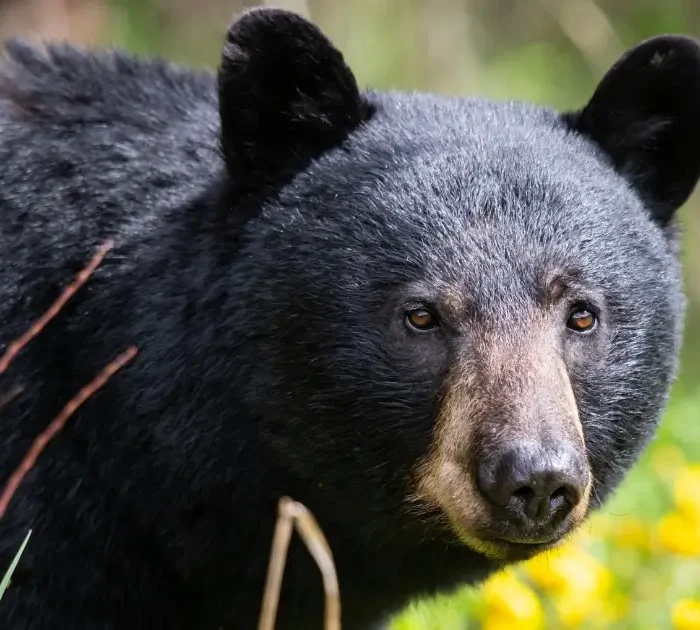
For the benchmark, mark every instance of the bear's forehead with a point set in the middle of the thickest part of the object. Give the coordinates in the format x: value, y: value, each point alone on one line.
x: 425, y: 158
x: 469, y: 185
x: 462, y: 138
x: 466, y: 113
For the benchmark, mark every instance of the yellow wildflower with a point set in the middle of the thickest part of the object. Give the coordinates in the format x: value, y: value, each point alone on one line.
x: 572, y: 609
x: 686, y: 614
x: 496, y: 621
x: 678, y: 534
x: 631, y: 533
x: 544, y: 572
x: 570, y: 569
x: 509, y: 601
x: 686, y: 492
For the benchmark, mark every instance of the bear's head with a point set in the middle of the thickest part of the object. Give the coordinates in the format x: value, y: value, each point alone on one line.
x: 459, y: 319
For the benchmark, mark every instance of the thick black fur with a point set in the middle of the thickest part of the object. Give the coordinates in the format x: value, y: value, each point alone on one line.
x: 635, y: 115
x: 285, y: 95
x: 260, y: 262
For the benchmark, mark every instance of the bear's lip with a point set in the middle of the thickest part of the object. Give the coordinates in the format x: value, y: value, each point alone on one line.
x: 508, y: 546
x: 536, y: 536
x: 543, y: 541
x: 518, y: 550
x: 514, y: 549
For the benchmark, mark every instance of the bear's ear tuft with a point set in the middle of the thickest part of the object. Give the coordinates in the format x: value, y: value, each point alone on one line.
x: 645, y: 114
x: 285, y: 96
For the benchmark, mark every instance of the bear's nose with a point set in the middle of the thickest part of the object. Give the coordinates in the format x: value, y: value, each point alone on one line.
x: 533, y: 481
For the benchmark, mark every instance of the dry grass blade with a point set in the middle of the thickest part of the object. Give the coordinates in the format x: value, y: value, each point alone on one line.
x: 294, y: 514
x: 319, y: 548
x: 82, y: 277
x: 58, y: 423
x: 275, y: 572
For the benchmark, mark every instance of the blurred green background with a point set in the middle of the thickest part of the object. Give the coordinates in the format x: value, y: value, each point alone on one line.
x: 637, y: 564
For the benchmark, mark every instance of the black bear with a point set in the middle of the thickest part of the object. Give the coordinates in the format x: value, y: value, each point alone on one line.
x: 448, y: 326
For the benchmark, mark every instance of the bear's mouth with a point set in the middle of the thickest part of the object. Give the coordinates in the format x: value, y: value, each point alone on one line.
x: 509, y: 547
x: 508, y: 550
x: 516, y: 551
x: 527, y: 542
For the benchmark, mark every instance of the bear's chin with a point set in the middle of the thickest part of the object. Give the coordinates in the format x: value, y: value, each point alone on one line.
x: 508, y: 550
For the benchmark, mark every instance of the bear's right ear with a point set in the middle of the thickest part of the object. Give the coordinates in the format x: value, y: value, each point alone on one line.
x: 645, y: 114
x: 285, y: 96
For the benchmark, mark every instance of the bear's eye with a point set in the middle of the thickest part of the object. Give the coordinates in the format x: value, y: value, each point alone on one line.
x: 582, y: 320
x: 421, y: 319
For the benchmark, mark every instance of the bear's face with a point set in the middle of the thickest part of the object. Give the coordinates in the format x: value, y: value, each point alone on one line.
x: 471, y: 311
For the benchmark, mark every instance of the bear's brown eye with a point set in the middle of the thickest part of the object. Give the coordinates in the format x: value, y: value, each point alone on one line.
x: 421, y: 319
x: 582, y: 320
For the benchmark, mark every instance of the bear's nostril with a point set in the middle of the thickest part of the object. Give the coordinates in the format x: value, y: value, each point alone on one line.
x: 563, y: 494
x: 538, y: 505
x: 540, y: 483
x: 526, y: 495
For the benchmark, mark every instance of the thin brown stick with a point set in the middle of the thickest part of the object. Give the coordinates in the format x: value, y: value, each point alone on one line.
x: 82, y: 277
x: 291, y: 513
x: 58, y: 423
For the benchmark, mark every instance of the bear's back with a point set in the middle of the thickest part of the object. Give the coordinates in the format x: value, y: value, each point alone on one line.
x: 93, y: 145
x: 98, y: 140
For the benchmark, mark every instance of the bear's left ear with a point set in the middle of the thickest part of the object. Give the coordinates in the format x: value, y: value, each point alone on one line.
x: 285, y: 96
x: 645, y: 114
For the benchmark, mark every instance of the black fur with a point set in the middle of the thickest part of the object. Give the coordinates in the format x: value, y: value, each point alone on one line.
x: 644, y: 114
x: 262, y: 290
x: 286, y: 95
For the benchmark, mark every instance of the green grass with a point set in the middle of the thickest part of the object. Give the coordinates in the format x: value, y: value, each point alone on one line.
x: 5, y: 582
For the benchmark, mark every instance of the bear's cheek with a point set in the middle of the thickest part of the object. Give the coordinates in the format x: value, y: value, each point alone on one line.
x: 513, y: 413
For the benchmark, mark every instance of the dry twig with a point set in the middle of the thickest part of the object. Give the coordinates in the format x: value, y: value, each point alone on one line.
x: 58, y: 423
x: 88, y: 390
x: 16, y: 346
x: 294, y: 514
